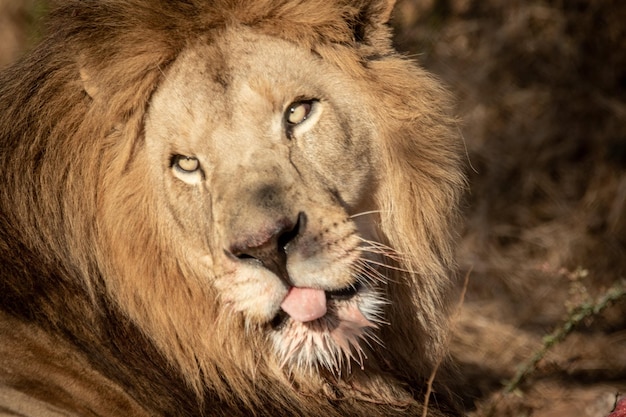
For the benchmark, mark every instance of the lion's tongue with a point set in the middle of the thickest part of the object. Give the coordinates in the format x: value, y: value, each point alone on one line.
x: 304, y: 304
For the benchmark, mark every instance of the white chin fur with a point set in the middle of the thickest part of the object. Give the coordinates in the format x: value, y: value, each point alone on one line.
x: 333, y: 341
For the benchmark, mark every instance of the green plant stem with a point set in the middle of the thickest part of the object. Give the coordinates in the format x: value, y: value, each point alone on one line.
x: 579, y: 314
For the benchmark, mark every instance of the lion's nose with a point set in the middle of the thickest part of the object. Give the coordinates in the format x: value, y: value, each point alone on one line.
x: 269, y: 247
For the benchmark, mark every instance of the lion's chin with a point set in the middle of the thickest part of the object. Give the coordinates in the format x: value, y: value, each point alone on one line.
x: 332, y: 341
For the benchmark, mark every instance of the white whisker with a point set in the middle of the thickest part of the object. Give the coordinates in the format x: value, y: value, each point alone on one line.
x: 391, y: 257
x: 379, y: 245
x: 384, y: 265
x: 368, y: 274
x: 365, y: 213
x: 370, y: 336
x: 378, y: 248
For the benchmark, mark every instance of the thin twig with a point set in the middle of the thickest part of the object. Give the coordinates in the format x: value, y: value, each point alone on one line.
x: 457, y: 311
x: 579, y: 314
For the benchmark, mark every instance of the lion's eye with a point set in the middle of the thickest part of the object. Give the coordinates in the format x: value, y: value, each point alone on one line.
x: 298, y: 112
x: 186, y: 164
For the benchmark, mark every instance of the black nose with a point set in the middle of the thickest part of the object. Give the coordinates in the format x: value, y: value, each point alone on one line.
x: 270, y: 247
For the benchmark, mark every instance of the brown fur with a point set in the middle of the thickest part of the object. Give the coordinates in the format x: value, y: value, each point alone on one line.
x: 93, y: 268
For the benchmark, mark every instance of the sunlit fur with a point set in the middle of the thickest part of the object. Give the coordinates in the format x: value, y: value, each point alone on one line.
x: 120, y: 296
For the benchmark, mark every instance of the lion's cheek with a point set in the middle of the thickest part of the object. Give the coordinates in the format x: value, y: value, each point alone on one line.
x: 253, y: 291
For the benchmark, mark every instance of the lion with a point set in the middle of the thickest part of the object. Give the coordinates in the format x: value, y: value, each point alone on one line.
x: 225, y: 208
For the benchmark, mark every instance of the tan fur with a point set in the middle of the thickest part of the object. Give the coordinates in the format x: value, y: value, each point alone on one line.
x: 151, y: 276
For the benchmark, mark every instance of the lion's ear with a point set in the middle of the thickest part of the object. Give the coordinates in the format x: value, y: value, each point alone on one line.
x: 373, y: 15
x: 89, y: 85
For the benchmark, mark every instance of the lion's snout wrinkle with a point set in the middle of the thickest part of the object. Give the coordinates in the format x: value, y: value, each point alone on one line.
x: 269, y: 246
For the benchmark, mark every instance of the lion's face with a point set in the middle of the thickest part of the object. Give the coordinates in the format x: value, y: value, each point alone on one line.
x: 263, y: 161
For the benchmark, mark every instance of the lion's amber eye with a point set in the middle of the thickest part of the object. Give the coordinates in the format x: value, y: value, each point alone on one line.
x: 298, y: 112
x: 186, y: 164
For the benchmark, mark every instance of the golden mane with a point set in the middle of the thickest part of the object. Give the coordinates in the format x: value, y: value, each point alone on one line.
x: 72, y: 118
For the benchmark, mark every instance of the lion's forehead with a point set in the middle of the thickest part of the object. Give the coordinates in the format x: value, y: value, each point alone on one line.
x: 225, y: 104
x: 249, y: 70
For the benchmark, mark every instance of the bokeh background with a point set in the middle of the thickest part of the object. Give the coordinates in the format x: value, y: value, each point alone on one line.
x: 541, y: 89
x: 541, y: 99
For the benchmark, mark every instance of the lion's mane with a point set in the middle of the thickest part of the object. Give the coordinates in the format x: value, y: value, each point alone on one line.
x: 64, y: 154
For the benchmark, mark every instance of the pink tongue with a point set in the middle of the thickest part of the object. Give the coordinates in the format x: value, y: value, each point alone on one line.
x: 304, y: 304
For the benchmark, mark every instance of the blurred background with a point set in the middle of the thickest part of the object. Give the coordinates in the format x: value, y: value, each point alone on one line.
x: 541, y: 99
x: 541, y: 90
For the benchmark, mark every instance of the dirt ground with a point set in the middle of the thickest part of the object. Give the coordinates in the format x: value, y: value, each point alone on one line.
x: 541, y: 90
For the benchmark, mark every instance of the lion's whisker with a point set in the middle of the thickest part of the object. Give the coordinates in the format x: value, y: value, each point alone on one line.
x: 378, y: 248
x: 365, y: 213
x: 378, y: 244
x: 384, y: 265
x: 381, y: 251
x: 369, y: 274
x: 370, y: 336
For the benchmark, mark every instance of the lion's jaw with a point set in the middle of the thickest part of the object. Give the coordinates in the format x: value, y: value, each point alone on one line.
x: 334, y: 340
x: 266, y: 167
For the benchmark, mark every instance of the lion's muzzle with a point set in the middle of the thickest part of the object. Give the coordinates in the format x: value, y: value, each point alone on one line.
x: 270, y: 247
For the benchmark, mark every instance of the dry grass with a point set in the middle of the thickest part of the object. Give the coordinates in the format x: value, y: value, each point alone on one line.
x: 542, y: 96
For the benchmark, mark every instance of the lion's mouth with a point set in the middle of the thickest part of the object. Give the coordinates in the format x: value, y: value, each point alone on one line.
x: 345, y: 293
x: 307, y: 309
x: 332, y: 340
